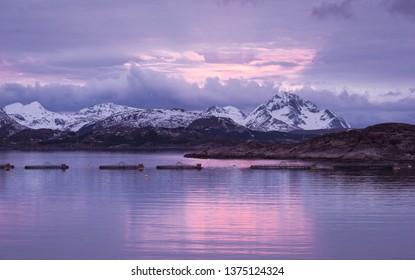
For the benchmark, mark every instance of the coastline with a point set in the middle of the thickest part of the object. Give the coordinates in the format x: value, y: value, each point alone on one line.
x: 383, y: 142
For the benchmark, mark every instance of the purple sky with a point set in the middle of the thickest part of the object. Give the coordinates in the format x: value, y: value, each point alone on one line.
x: 356, y: 57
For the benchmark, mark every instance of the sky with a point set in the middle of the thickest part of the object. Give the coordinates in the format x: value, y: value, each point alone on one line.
x: 354, y: 57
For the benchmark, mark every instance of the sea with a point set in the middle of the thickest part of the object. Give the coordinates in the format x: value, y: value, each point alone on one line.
x: 224, y: 211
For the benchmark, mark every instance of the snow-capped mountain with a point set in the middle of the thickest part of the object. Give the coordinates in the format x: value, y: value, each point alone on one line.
x: 35, y: 116
x: 95, y: 113
x: 8, y: 126
x: 165, y: 118
x: 283, y: 112
x: 287, y: 111
x: 230, y: 112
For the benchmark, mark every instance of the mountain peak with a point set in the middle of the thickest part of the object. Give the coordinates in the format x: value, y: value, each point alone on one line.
x: 230, y: 112
x: 33, y: 108
x: 104, y: 109
x: 287, y: 111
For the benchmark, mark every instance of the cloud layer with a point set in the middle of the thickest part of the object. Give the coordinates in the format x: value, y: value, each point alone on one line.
x: 144, y: 88
x: 70, y: 54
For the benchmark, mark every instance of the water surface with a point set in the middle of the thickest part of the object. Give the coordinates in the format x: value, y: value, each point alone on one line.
x: 225, y: 211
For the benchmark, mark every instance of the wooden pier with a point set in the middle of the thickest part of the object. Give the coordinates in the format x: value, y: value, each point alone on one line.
x: 6, y: 166
x: 284, y: 167
x: 180, y: 167
x: 47, y: 166
x: 139, y: 167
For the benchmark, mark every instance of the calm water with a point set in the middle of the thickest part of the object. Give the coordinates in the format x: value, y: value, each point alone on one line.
x: 225, y: 211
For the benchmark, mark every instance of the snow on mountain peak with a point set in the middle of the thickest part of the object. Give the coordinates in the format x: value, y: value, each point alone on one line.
x: 287, y: 111
x: 8, y: 125
x: 282, y: 112
x: 165, y: 118
x: 34, y: 115
x: 104, y: 110
x: 230, y: 112
x: 18, y: 108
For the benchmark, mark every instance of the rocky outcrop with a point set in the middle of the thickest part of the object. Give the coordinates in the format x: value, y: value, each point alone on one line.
x: 389, y: 141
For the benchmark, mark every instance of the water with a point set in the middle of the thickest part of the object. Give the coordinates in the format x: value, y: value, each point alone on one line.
x: 225, y: 211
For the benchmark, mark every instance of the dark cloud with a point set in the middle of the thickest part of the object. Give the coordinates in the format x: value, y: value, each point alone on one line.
x: 403, y: 7
x: 393, y: 93
x: 333, y: 10
x: 358, y: 110
x: 377, y: 54
x: 143, y: 88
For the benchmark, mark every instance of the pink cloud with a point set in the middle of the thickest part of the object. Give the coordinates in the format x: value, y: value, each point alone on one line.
x: 226, y: 63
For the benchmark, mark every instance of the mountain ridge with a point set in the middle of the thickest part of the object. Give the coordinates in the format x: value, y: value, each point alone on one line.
x: 283, y: 112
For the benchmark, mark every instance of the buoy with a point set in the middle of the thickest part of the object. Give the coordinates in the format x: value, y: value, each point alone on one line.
x: 7, y: 166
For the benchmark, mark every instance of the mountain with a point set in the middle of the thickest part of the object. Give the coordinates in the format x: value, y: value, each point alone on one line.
x: 284, y: 112
x: 163, y: 118
x: 35, y: 116
x: 287, y: 112
x: 230, y: 112
x: 218, y: 124
x: 94, y: 114
x: 8, y: 126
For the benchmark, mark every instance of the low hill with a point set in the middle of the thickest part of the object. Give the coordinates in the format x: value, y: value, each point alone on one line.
x: 388, y: 141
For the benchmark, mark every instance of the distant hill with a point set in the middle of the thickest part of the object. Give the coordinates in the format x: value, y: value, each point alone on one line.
x: 388, y: 141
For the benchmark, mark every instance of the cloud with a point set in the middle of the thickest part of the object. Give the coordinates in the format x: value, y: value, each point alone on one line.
x: 373, y: 51
x: 144, y: 88
x: 152, y: 53
x: 243, y: 61
x: 278, y: 63
x: 326, y: 10
x: 360, y: 110
x: 240, y: 2
x: 403, y: 7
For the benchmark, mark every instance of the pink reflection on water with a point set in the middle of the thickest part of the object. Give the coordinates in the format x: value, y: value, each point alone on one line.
x: 248, y: 227
x: 225, y: 225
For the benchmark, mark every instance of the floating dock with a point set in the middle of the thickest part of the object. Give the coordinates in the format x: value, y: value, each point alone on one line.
x: 139, y: 167
x: 284, y: 167
x: 366, y: 167
x: 180, y: 167
x: 61, y: 167
x: 6, y: 166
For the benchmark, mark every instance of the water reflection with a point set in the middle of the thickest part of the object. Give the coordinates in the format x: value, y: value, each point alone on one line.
x: 221, y: 220
x: 225, y: 211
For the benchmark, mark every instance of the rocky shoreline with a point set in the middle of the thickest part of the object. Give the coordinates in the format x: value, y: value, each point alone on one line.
x: 382, y: 142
